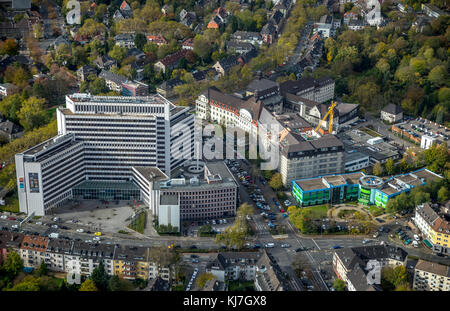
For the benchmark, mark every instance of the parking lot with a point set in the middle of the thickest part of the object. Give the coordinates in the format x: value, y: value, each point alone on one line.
x: 94, y: 215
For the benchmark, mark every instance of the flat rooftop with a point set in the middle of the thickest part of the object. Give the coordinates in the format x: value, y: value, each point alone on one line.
x: 151, y: 173
x: 311, y: 184
x: 107, y: 185
x: 336, y: 180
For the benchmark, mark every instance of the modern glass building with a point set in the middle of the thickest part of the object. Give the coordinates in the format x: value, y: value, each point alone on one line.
x: 367, y: 189
x: 109, y: 191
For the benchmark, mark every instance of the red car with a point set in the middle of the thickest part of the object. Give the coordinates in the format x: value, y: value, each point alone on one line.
x: 282, y: 210
x: 11, y: 218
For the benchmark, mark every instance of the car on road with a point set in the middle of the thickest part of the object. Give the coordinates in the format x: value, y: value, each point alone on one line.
x: 379, y: 220
x: 15, y: 226
x: 285, y: 245
x: 195, y: 260
x: 269, y: 245
x: 54, y: 226
x: 11, y: 218
x: 80, y: 230
x: 300, y: 249
x: 337, y: 247
x: 193, y: 247
x: 96, y: 238
x: 376, y: 234
x: 4, y: 217
x: 366, y: 241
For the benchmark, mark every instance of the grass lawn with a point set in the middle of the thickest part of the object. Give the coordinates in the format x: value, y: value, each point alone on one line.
x: 12, y: 204
x: 318, y: 212
x: 139, y: 223
x: 370, y: 132
x: 374, y: 210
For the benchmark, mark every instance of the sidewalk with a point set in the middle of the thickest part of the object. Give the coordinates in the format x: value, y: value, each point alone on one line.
x: 149, y: 229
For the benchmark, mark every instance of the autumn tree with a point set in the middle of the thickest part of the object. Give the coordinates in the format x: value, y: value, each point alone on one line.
x: 276, y: 182
x: 88, y: 286
x: 32, y: 114
x: 378, y: 169
x: 10, y: 47
x: 203, y: 278
x: 390, y: 167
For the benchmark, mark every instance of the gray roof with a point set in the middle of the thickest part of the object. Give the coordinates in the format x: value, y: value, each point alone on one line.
x: 392, y: 109
x: 170, y: 84
x: 151, y: 173
x: 21, y: 4
x: 360, y: 255
x: 108, y: 75
x: 261, y: 84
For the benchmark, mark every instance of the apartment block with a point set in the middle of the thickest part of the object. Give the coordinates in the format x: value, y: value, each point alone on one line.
x: 434, y: 227
x: 430, y: 276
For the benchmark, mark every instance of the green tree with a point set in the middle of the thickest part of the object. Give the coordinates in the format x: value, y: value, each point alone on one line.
x: 10, y: 47
x: 378, y: 169
x: 443, y: 194
x: 100, y: 277
x: 202, y: 47
x: 98, y: 86
x: 32, y: 115
x: 88, y: 286
x: 245, y: 209
x: 43, y: 269
x: 390, y: 167
x: 13, y: 265
x: 140, y: 40
x: 28, y: 284
x: 118, y: 53
x: 393, y: 278
x: 339, y: 285
x: 276, y: 182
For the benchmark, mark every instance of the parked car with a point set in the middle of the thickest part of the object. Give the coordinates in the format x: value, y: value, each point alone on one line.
x: 376, y: 234
x: 337, y: 247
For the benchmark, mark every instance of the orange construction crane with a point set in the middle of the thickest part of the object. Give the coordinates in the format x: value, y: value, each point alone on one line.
x: 329, y: 114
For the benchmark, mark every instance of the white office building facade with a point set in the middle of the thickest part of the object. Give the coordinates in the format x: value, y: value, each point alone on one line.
x: 100, y: 138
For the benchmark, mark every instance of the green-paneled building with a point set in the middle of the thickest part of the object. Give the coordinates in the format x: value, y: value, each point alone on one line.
x: 366, y: 189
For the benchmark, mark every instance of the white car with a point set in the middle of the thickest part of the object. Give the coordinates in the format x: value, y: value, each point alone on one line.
x: 14, y: 226
x: 3, y: 217
x: 416, y: 237
x: 213, y: 222
x: 224, y: 221
x: 39, y: 223
x: 97, y: 238
x: 80, y: 230
x: 55, y: 226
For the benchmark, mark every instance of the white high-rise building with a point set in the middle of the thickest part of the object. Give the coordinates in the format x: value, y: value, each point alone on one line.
x: 100, y: 139
x: 122, y: 132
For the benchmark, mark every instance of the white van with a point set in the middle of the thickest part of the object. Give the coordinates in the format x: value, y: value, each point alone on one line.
x: 269, y: 245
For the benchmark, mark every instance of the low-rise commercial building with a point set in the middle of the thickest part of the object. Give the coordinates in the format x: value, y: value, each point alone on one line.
x: 177, y: 199
x: 366, y: 189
